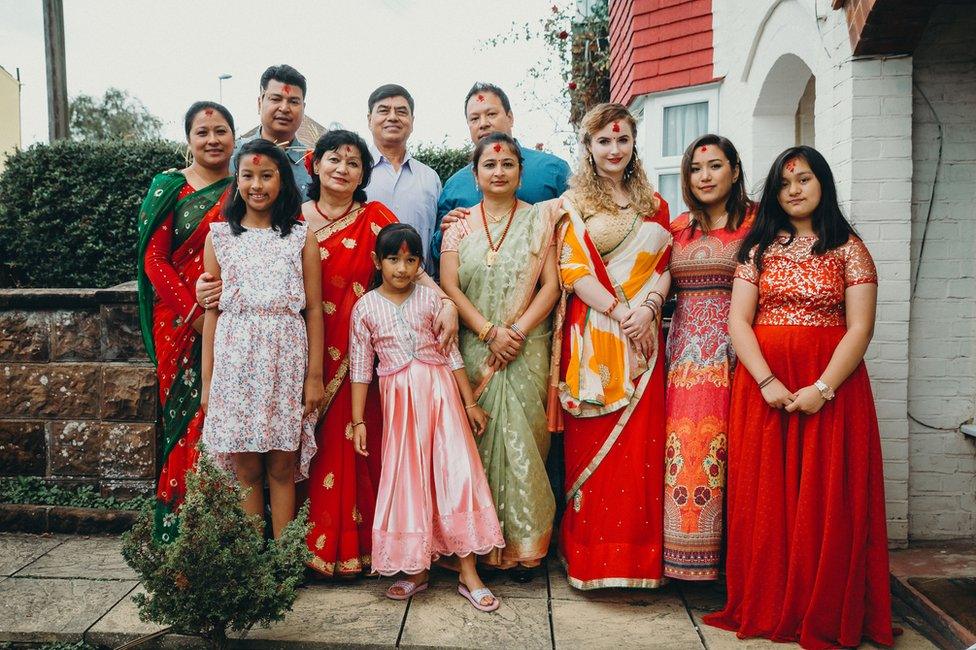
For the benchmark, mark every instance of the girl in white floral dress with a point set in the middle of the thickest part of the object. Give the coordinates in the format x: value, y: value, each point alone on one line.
x: 262, y: 363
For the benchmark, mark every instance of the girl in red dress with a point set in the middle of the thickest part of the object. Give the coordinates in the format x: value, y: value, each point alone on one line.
x: 807, y: 541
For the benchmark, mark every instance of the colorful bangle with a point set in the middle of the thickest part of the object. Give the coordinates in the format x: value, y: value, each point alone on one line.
x: 613, y: 305
x: 767, y: 381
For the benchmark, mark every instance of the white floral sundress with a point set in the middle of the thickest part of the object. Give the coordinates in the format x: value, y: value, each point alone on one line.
x: 260, y: 348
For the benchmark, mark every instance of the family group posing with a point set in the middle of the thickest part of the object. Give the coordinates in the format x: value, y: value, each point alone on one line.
x: 288, y: 298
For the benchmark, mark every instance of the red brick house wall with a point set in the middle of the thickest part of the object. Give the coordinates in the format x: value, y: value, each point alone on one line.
x: 658, y: 45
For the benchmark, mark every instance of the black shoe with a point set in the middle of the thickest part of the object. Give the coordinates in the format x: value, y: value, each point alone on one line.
x: 522, y: 574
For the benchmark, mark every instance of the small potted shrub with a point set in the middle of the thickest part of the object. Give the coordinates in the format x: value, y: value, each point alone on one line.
x: 220, y: 573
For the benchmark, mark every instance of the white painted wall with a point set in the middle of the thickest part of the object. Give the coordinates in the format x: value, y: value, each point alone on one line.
x: 942, y: 384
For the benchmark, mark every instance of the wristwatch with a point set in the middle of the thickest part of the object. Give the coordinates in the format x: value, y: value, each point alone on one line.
x: 825, y: 391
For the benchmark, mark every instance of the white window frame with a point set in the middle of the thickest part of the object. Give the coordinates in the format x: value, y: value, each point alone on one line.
x: 651, y: 139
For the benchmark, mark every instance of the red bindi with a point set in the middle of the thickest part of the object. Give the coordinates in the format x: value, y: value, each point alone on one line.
x: 256, y: 159
x: 791, y: 165
x: 286, y: 89
x: 404, y: 249
x: 208, y: 112
x: 481, y: 98
x: 497, y: 147
x: 703, y: 149
x: 615, y: 128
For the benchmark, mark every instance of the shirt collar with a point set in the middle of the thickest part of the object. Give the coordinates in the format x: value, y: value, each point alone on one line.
x: 379, y: 157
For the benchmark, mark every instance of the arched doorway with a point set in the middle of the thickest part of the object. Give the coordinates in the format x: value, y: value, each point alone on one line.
x: 784, y: 112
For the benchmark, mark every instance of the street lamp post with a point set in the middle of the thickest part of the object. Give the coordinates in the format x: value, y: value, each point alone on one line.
x: 220, y: 83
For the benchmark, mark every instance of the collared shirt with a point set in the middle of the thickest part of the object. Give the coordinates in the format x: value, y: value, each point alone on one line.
x: 544, y: 177
x: 411, y: 193
x: 397, y: 334
x: 296, y: 154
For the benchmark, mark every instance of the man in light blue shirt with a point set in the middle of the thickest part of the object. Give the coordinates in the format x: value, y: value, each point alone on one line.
x: 402, y: 183
x: 281, y: 106
x: 544, y: 176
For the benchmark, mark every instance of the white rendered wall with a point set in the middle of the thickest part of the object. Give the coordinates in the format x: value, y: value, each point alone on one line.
x: 942, y: 385
x: 766, y: 51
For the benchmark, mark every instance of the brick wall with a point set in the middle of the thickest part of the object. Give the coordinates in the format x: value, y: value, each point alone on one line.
x: 885, y: 26
x: 942, y: 388
x: 658, y: 45
x: 77, y: 393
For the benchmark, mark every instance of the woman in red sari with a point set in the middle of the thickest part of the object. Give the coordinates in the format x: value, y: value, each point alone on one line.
x: 613, y: 266
x: 342, y: 484
x: 173, y: 223
x: 807, y: 541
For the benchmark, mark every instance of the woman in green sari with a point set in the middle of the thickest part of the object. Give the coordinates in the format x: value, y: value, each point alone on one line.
x: 498, y: 264
x: 174, y: 220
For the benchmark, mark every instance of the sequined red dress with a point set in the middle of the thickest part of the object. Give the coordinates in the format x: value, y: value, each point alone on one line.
x: 807, y: 557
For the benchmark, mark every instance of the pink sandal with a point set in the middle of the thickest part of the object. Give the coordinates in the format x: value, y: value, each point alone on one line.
x: 474, y: 597
x: 409, y: 589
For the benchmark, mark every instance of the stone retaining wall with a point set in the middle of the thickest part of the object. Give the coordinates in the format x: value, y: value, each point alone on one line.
x: 77, y: 393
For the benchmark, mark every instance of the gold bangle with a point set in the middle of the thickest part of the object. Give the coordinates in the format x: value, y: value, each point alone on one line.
x: 470, y: 406
x: 356, y: 424
x: 612, y: 306
x: 485, y: 330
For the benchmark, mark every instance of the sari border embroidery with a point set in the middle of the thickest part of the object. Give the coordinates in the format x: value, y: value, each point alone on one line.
x: 333, y: 386
x: 330, y: 229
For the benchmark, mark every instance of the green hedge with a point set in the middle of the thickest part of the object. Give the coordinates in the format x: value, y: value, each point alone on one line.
x: 442, y: 159
x: 68, y: 211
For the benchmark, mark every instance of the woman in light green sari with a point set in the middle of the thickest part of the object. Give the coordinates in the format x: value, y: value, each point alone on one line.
x: 499, y: 265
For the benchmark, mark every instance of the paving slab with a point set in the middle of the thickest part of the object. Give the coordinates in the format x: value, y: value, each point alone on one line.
x: 442, y: 618
x: 55, y: 609
x: 82, y: 557
x: 17, y: 550
x: 500, y: 583
x: 340, y: 617
x: 657, y: 621
x: 121, y: 623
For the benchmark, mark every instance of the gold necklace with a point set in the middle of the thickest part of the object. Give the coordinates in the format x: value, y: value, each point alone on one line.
x: 493, y: 218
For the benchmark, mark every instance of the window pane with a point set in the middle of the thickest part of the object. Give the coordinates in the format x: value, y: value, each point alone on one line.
x: 682, y: 124
x: 669, y: 186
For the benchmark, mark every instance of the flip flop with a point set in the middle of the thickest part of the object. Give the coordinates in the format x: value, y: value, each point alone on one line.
x: 474, y: 597
x: 409, y: 589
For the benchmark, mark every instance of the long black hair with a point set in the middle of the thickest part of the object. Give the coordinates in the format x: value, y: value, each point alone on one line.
x: 389, y: 240
x: 331, y: 141
x: 828, y: 222
x: 737, y: 206
x: 285, y: 210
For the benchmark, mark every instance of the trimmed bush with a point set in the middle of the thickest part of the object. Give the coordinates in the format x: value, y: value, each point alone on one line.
x: 442, y: 159
x: 68, y: 211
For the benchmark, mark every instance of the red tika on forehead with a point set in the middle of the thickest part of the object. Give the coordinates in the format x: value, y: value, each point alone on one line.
x: 791, y: 165
x: 481, y: 98
x: 404, y: 248
x: 497, y: 147
x: 286, y: 89
x: 615, y: 128
x: 208, y: 112
x: 703, y: 149
x: 256, y: 159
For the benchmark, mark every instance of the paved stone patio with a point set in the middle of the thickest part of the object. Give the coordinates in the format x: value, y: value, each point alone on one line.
x: 66, y: 588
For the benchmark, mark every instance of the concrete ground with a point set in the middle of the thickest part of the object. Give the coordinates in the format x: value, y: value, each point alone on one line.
x: 68, y: 588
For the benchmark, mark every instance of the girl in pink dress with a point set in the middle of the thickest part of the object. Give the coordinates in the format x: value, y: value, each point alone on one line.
x: 433, y: 498
x: 262, y: 361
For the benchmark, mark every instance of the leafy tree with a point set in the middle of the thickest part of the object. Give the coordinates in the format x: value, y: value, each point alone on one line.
x: 116, y: 116
x: 220, y: 574
x: 442, y: 159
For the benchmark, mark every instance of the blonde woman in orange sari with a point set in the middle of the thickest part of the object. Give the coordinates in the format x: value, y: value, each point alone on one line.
x: 614, y: 254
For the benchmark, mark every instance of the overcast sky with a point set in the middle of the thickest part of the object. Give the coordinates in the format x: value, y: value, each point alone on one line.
x: 169, y: 54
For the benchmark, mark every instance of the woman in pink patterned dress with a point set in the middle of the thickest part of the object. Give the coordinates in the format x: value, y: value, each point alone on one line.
x: 433, y: 497
x: 699, y: 355
x: 262, y: 362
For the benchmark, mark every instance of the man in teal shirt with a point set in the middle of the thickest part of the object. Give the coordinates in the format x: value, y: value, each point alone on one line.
x: 544, y: 176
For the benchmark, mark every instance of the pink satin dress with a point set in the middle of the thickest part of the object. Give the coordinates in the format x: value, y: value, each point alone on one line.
x: 433, y: 498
